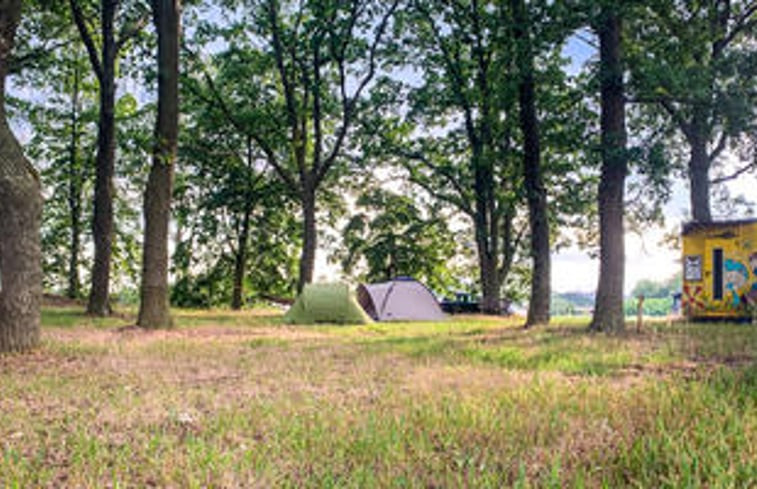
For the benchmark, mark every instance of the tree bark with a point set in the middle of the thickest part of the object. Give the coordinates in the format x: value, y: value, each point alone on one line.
x: 608, y: 308
x: 240, y: 260
x: 102, y: 221
x: 536, y: 195
x: 154, y: 311
x: 20, y: 216
x: 75, y: 177
x: 243, y: 239
x: 309, y: 238
x: 699, y: 175
x: 490, y: 283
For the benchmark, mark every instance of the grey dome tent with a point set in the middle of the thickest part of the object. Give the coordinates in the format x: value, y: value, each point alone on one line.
x: 402, y: 299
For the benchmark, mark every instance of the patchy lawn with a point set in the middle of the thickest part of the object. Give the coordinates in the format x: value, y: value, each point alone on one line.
x: 240, y: 400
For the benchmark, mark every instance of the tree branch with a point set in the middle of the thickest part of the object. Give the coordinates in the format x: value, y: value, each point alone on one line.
x: 416, y: 156
x: 228, y: 114
x: 86, y: 37
x: 349, y: 104
x: 743, y: 24
x: 719, y: 147
x: 677, y: 117
x: 745, y: 169
x: 286, y: 81
x: 443, y: 197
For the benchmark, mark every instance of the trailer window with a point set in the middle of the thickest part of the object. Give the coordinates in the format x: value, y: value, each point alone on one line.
x: 692, y: 268
x: 717, y: 274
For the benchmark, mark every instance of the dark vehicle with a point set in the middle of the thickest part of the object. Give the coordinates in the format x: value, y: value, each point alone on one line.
x: 462, y: 303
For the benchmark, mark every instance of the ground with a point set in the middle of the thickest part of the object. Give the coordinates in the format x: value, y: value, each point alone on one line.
x: 241, y: 400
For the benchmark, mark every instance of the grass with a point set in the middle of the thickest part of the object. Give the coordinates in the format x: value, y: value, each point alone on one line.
x: 241, y: 400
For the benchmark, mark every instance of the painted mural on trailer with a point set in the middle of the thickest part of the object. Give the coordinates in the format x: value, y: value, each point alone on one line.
x: 720, y: 269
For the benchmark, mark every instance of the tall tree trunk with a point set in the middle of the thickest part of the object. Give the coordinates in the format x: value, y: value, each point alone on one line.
x: 608, y: 308
x: 485, y: 224
x: 310, y: 238
x: 102, y: 221
x: 240, y: 264
x: 20, y: 215
x: 699, y: 175
x: 154, y: 311
x: 240, y: 260
x: 74, y: 193
x: 538, y: 305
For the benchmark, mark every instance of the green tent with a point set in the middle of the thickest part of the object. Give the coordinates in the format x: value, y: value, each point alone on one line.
x: 326, y: 303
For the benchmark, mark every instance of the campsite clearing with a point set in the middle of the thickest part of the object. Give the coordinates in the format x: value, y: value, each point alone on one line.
x: 239, y: 399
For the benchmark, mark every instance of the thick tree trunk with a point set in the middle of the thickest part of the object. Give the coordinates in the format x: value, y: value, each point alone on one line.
x: 490, y: 284
x: 102, y: 222
x: 699, y: 178
x: 538, y: 305
x: 20, y: 215
x: 74, y: 194
x: 486, y: 225
x: 487, y: 248
x: 608, y: 308
x: 310, y: 238
x: 154, y: 311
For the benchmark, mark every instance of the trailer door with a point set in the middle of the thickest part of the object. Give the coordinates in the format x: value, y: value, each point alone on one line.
x: 713, y: 277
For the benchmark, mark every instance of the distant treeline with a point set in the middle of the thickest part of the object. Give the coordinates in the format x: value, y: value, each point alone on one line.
x: 658, y: 299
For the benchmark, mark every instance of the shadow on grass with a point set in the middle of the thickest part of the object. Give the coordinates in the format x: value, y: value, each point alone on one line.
x: 72, y: 317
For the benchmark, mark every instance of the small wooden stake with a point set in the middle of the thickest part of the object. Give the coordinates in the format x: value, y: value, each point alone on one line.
x: 639, y: 312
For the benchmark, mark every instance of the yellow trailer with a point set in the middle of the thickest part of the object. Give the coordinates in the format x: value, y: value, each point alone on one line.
x: 720, y: 269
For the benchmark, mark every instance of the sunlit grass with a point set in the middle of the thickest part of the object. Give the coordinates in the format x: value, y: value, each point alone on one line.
x: 241, y: 400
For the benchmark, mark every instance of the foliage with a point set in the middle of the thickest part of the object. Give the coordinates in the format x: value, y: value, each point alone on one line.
x: 62, y: 117
x: 658, y: 289
x: 447, y: 117
x: 64, y: 124
x: 228, y: 204
x: 394, y: 237
x: 654, y: 306
x: 313, y: 62
x: 571, y: 303
x: 286, y: 103
x: 694, y: 63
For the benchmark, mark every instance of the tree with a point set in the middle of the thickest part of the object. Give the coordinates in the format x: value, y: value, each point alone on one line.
x: 536, y: 195
x: 454, y: 128
x: 325, y: 55
x: 456, y: 141
x: 394, y: 237
x: 104, y: 67
x: 237, y: 231
x: 154, y: 310
x: 20, y: 211
x: 696, y: 63
x: 62, y: 123
x: 658, y: 289
x: 608, y: 309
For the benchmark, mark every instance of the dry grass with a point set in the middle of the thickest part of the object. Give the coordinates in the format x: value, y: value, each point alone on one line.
x: 239, y: 400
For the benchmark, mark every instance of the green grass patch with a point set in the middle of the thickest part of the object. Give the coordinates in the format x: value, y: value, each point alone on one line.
x: 236, y: 399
